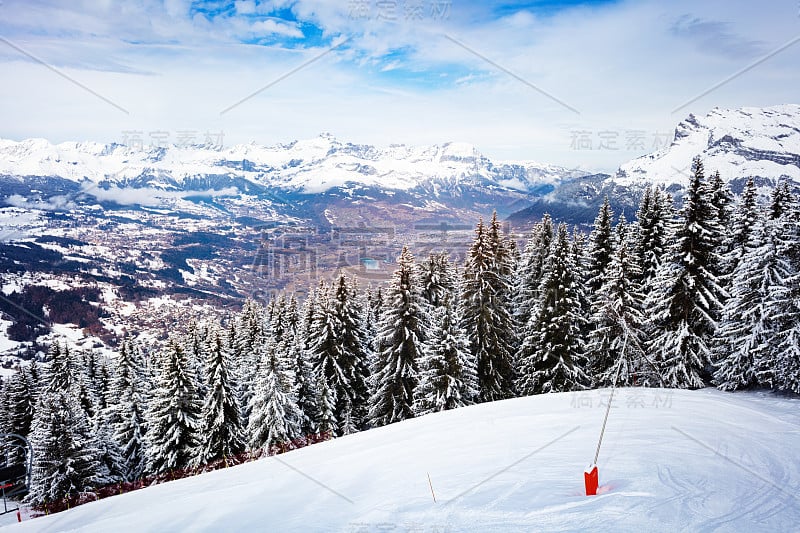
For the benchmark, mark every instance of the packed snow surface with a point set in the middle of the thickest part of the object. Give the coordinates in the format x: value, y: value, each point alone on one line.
x: 671, y: 460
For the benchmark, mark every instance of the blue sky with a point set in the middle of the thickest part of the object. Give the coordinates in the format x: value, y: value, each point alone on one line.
x: 520, y: 80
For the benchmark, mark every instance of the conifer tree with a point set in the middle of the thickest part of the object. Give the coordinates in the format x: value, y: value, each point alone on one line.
x: 402, y: 336
x: 486, y: 297
x: 109, y: 453
x: 600, y: 249
x: 172, y: 436
x: 745, y: 336
x: 437, y: 279
x: 615, y: 343
x: 250, y: 337
x: 552, y: 354
x: 326, y: 354
x: 65, y: 461
x: 530, y: 269
x: 654, y: 227
x: 62, y: 374
x: 721, y: 199
x: 91, y: 393
x: 275, y: 420
x: 448, y: 374
x: 781, y: 200
x: 195, y: 348
x: 20, y: 406
x: 355, y: 355
x: 743, y: 223
x: 221, y: 428
x: 128, y: 411
x: 686, y: 296
x: 785, y: 360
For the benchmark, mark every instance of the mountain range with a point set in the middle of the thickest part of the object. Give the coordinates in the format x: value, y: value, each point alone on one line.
x: 91, y: 232
x: 313, y: 179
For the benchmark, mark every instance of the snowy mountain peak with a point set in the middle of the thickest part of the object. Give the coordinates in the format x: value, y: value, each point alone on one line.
x: 740, y: 143
x: 309, y: 165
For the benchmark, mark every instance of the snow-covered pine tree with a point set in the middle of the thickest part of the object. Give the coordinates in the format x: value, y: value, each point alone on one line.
x: 448, y: 373
x: 251, y: 326
x: 109, y: 454
x: 600, y: 249
x: 275, y: 419
x: 781, y: 200
x: 784, y: 366
x: 376, y: 310
x: 278, y: 321
x: 5, y: 408
x: 745, y: 337
x: 293, y: 320
x: 33, y: 372
x: 621, y: 232
x: 721, y: 198
x: 92, y: 388
x: 90, y: 393
x: 20, y: 406
x: 437, y: 278
x: 530, y: 269
x: 486, y: 299
x: 65, y: 461
x: 195, y: 347
x: 325, y: 354
x: 128, y: 408
x: 552, y: 354
x: 654, y: 228
x: 402, y: 336
x: 304, y: 383
x: 354, y: 356
x: 292, y: 350
x: 744, y: 222
x: 686, y: 296
x: 67, y: 454
x: 172, y: 436
x: 618, y: 321
x: 221, y: 431
x: 62, y: 373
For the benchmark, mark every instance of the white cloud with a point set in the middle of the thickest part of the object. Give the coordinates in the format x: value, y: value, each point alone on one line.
x: 624, y: 66
x: 152, y: 197
x: 245, y: 7
x: 272, y: 27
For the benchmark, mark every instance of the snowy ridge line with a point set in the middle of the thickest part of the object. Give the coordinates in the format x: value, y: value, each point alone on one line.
x: 124, y: 487
x: 312, y: 165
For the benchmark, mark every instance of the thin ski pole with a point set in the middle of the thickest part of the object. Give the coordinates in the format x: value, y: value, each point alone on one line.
x: 611, y: 397
x: 431, y: 486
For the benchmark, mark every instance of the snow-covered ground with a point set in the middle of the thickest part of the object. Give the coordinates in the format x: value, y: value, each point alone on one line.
x: 671, y: 461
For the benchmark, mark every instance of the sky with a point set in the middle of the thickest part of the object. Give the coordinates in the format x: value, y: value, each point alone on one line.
x: 587, y: 84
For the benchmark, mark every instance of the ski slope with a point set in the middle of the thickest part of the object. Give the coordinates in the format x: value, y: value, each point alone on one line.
x: 671, y: 460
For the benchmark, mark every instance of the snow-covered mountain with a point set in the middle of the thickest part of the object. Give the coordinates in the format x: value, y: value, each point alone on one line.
x: 309, y: 166
x: 671, y: 460
x: 763, y: 143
